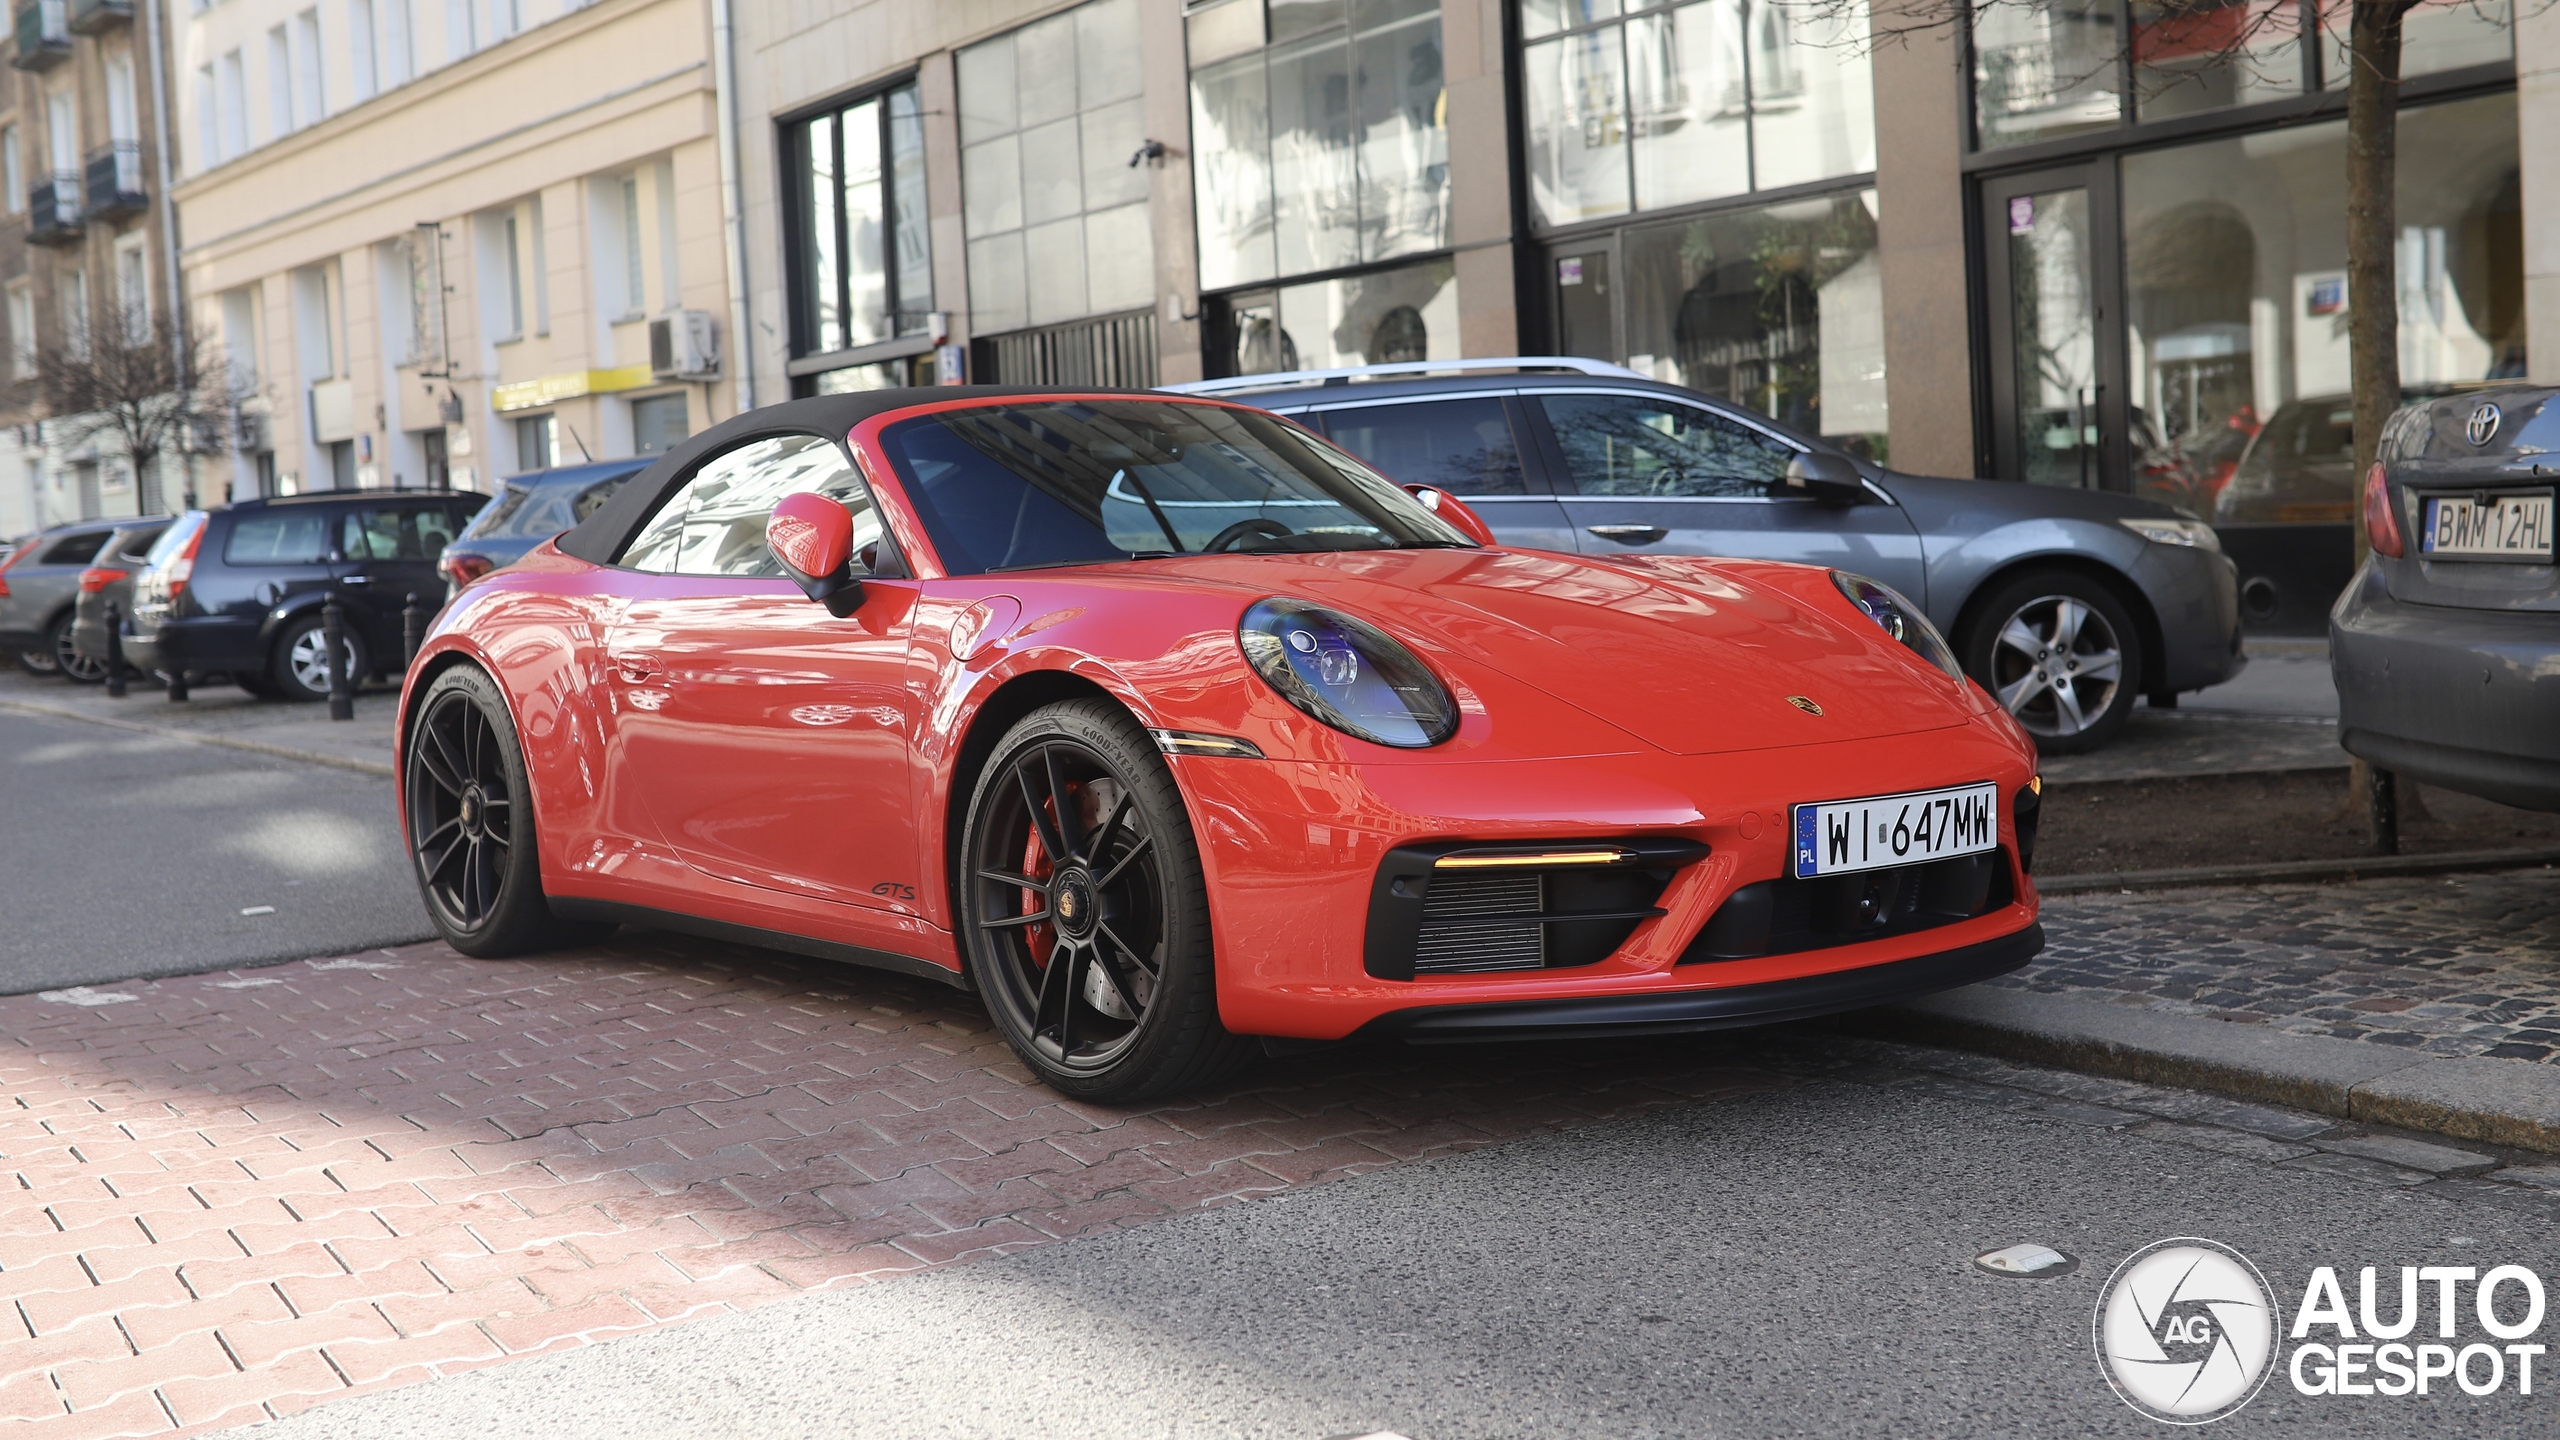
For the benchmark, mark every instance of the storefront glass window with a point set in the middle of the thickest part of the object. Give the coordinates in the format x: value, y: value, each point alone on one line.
x: 2437, y: 35
x: 2235, y: 279
x: 860, y: 272
x: 1404, y: 314
x: 2044, y: 69
x: 2189, y: 57
x: 1056, y: 216
x: 1694, y: 102
x: 1777, y: 309
x: 1324, y: 149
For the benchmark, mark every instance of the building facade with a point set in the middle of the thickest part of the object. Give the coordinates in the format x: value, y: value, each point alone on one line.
x: 438, y: 242
x: 84, y: 246
x: 2055, y: 241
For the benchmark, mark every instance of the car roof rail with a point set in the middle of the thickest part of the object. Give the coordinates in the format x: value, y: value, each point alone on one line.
x: 1402, y: 370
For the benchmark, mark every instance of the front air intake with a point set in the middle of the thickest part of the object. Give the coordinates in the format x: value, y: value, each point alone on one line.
x: 1472, y: 909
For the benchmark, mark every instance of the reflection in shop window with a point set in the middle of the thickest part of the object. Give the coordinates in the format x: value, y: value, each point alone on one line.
x: 2237, y: 302
x: 1386, y: 317
x: 2435, y: 36
x: 1693, y: 102
x: 1326, y: 148
x: 1050, y: 118
x: 2193, y: 55
x: 2044, y: 69
x: 1778, y: 310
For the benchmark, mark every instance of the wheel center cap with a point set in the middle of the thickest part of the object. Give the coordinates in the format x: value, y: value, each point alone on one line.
x: 470, y: 813
x: 1074, y: 902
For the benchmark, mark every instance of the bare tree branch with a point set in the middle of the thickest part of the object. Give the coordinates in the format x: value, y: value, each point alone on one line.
x: 139, y: 380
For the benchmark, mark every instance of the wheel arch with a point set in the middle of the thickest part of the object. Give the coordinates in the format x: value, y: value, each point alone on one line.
x: 431, y: 667
x: 998, y: 713
x: 2146, y: 620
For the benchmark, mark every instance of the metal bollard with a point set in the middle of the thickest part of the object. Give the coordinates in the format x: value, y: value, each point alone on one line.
x: 115, y: 653
x: 2382, y: 802
x: 177, y: 687
x: 413, y: 629
x: 333, y: 642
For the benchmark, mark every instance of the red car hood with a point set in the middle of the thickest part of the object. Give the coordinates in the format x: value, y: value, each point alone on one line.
x: 1695, y: 656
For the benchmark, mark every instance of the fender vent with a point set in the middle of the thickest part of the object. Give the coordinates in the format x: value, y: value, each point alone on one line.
x: 1463, y: 925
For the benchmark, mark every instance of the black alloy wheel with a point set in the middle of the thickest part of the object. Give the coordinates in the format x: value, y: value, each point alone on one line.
x: 68, y: 662
x: 470, y: 822
x: 1084, y: 918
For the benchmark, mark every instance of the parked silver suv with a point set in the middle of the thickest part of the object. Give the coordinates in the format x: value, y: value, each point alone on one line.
x: 2066, y: 604
x: 40, y: 584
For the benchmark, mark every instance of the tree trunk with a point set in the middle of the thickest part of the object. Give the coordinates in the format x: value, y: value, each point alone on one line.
x: 2373, y: 284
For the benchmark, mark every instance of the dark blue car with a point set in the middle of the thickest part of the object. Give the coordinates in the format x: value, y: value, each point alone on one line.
x: 529, y: 509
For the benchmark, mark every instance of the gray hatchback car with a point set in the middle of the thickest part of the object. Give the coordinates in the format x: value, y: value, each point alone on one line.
x: 2069, y: 605
x: 2446, y: 645
x: 40, y: 585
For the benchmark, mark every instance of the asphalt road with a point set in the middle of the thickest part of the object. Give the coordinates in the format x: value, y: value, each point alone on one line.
x: 1787, y: 1263
x: 125, y: 855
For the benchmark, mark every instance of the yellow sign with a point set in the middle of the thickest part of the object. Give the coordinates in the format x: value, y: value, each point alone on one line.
x: 552, y: 389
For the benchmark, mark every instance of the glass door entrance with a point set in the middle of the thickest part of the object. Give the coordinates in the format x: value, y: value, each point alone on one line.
x: 2059, y: 417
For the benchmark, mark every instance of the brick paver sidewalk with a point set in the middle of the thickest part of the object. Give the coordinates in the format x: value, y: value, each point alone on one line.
x: 238, y: 1194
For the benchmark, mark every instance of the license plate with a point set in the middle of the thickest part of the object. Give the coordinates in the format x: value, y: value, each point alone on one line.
x: 1836, y: 837
x: 2495, y: 527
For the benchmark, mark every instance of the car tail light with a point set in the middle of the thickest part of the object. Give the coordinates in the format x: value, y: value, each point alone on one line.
x: 97, y: 578
x: 463, y: 569
x: 13, y: 557
x: 182, y: 566
x: 2381, y: 527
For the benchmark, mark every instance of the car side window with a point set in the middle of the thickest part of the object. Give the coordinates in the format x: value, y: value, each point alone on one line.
x: 396, y: 532
x: 1464, y: 446
x: 1641, y: 447
x: 285, y: 537
x: 76, y: 549
x: 714, y: 523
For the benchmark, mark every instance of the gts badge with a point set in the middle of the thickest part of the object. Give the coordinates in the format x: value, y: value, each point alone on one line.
x: 892, y: 890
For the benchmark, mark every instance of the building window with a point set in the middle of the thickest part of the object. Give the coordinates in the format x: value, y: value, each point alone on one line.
x: 2045, y: 69
x: 537, y: 443
x: 231, y: 93
x: 361, y: 74
x: 860, y: 266
x: 72, y: 291
x: 2236, y: 304
x: 1325, y: 144
x: 13, y: 174
x: 1381, y: 317
x: 22, y: 332
x: 658, y: 423
x: 1051, y: 120
x: 1696, y: 102
x: 310, y: 100
x: 133, y: 289
x: 279, y: 83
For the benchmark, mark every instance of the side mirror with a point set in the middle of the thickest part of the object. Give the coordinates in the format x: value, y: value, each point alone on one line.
x: 1454, y: 510
x: 813, y: 538
x: 1822, y: 477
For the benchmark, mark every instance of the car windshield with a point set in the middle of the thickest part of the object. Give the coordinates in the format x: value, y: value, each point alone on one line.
x: 1073, y: 482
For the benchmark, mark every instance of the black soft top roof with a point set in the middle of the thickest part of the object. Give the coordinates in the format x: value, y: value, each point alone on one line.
x: 602, y: 535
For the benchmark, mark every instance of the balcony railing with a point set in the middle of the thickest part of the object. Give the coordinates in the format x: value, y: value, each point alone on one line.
x: 44, y: 35
x: 115, y: 180
x: 53, y: 209
x: 92, y: 17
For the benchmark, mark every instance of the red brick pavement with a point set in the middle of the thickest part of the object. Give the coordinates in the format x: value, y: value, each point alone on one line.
x: 237, y: 1195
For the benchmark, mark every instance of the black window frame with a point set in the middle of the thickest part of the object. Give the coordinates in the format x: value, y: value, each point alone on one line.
x: 791, y: 149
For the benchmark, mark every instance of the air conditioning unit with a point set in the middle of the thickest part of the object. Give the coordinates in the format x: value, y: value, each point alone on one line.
x: 682, y: 346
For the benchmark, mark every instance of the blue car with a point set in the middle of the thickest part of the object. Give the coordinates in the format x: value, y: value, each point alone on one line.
x: 529, y: 509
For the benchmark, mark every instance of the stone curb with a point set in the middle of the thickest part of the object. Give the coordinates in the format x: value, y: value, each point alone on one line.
x: 2497, y: 1102
x: 378, y: 768
x: 2361, y: 868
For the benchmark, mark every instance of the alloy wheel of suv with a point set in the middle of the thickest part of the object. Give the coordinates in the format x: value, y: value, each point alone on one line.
x: 68, y: 662
x: 302, y: 669
x: 2060, y: 653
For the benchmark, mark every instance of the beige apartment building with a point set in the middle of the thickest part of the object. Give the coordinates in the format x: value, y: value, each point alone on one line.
x: 437, y: 241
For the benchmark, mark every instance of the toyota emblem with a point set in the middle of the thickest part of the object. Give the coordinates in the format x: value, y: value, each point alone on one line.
x: 2483, y: 424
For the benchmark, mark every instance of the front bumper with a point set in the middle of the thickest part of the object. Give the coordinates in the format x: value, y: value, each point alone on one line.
x: 1725, y: 1008
x: 1291, y: 851
x: 2195, y: 595
x: 2465, y: 699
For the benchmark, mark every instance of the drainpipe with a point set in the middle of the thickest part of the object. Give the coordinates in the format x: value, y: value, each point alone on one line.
x: 182, y: 352
x: 724, y: 82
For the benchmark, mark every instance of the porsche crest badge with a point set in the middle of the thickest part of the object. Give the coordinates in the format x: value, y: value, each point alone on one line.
x: 1804, y: 704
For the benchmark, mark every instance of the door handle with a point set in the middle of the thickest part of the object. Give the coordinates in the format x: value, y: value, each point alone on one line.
x: 636, y: 669
x: 355, y: 579
x: 1629, y: 534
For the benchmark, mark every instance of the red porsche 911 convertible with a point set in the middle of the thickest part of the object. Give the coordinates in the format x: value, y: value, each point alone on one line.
x: 1173, y: 731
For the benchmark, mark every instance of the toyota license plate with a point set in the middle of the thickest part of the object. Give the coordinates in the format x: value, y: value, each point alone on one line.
x: 2491, y: 527
x: 1836, y: 837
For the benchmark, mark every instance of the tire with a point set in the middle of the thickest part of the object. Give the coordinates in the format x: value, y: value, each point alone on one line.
x: 40, y: 660
x: 1091, y: 946
x: 68, y: 662
x: 470, y: 830
x: 294, y: 667
x: 257, y: 683
x: 2071, y: 697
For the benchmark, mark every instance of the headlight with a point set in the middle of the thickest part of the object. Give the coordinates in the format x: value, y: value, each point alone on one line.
x: 2193, y: 533
x: 1900, y: 619
x: 1347, y: 673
